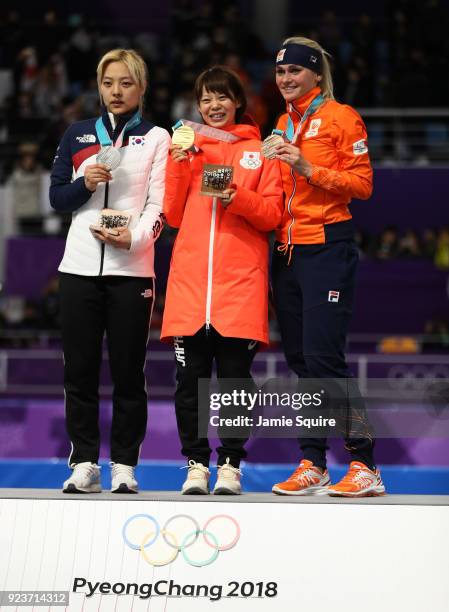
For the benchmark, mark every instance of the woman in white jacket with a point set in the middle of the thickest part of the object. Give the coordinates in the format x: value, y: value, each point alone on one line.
x: 115, y: 162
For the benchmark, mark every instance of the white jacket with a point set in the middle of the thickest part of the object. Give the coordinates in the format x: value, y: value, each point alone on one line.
x: 137, y: 187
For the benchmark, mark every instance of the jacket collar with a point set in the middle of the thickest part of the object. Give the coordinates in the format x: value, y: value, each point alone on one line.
x: 113, y: 124
x: 301, y: 104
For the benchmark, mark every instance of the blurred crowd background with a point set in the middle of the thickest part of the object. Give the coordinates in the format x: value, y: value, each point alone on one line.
x: 390, y: 61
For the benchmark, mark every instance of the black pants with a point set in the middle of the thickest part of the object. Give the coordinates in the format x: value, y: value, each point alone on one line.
x: 313, y: 296
x: 120, y: 306
x: 194, y: 360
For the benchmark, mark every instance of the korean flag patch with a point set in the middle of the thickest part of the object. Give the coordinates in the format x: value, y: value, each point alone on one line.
x: 138, y: 141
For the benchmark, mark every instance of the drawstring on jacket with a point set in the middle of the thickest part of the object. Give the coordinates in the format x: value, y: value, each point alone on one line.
x: 286, y: 248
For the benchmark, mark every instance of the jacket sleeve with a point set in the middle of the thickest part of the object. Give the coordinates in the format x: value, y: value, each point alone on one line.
x: 177, y: 181
x: 66, y: 195
x: 264, y: 207
x: 151, y: 220
x: 354, y: 178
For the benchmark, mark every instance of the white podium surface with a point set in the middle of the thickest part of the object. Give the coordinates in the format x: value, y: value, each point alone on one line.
x: 166, y: 552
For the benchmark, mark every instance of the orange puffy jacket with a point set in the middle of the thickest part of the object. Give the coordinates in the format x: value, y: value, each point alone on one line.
x: 333, y: 140
x: 219, y: 268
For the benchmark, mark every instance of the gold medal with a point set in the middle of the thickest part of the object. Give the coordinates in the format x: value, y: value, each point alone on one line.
x: 183, y: 136
x: 269, y: 145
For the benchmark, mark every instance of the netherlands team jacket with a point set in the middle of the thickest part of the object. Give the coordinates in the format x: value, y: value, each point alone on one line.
x: 137, y: 187
x: 334, y: 141
x: 219, y: 269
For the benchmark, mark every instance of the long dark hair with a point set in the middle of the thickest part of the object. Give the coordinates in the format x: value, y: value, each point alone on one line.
x: 223, y: 80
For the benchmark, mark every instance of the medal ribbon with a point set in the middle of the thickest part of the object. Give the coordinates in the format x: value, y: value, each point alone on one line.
x: 105, y: 139
x: 290, y: 133
x: 207, y: 130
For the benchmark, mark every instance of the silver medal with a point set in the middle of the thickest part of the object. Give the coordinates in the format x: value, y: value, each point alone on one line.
x: 110, y: 157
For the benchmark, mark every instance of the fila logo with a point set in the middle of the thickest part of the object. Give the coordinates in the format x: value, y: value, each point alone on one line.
x: 147, y: 293
x: 86, y: 138
x: 179, y: 350
x: 334, y: 296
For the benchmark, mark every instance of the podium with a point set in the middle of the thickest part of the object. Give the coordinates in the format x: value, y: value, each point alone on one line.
x: 164, y: 551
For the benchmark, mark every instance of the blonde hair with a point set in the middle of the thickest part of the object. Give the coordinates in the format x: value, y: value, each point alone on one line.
x: 326, y: 84
x: 133, y: 61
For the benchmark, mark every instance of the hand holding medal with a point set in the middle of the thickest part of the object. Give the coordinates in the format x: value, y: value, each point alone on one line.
x: 182, y: 141
x: 95, y: 174
x: 290, y: 154
x: 269, y: 145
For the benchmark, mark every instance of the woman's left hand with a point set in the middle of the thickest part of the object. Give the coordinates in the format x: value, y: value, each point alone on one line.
x: 291, y: 155
x: 227, y: 196
x: 119, y: 238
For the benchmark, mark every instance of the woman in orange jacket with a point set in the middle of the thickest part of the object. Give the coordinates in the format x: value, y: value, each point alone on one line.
x: 217, y: 295
x: 324, y: 164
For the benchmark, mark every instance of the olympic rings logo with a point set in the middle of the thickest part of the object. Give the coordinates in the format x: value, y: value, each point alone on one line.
x: 252, y: 163
x: 417, y: 379
x: 147, y: 533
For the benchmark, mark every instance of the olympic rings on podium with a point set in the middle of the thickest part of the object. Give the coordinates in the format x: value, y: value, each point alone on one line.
x: 207, y: 561
x: 179, y: 542
x: 233, y: 542
x: 132, y: 518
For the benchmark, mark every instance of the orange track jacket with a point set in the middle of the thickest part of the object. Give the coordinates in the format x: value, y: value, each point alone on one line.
x: 334, y: 141
x: 219, y: 268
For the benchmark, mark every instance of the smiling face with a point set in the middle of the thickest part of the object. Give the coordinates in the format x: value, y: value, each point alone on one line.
x: 295, y: 81
x: 119, y: 90
x: 217, y: 109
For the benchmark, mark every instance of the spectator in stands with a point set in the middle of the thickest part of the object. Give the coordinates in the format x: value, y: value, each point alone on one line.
x: 107, y: 272
x: 409, y: 245
x: 184, y: 106
x: 429, y: 242
x: 388, y: 244
x: 324, y: 163
x: 49, y: 305
x: 362, y: 240
x: 436, y: 335
x: 25, y: 183
x: 51, y: 86
x: 442, y: 249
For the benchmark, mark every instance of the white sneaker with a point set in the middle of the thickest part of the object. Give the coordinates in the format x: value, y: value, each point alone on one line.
x: 228, y: 480
x: 85, y: 478
x: 123, y: 479
x: 197, y: 481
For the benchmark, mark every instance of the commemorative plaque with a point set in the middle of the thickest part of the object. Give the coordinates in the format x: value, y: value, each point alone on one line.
x: 216, y: 179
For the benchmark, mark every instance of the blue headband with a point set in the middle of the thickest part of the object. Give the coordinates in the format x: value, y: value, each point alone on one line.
x: 301, y: 55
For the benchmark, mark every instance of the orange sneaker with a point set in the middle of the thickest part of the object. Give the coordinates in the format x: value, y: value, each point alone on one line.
x: 307, y: 479
x: 359, y: 481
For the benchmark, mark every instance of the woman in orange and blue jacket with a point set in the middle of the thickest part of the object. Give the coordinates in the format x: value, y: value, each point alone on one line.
x: 216, y: 305
x: 324, y: 164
